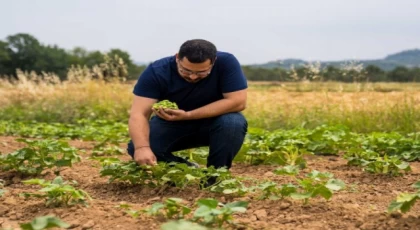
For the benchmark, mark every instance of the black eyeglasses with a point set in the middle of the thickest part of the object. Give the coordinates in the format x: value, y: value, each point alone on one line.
x: 187, y: 72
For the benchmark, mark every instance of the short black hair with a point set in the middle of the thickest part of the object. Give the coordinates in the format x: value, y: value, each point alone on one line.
x: 198, y: 51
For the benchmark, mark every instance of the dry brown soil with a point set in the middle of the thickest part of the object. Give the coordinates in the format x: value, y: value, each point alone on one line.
x: 362, y: 205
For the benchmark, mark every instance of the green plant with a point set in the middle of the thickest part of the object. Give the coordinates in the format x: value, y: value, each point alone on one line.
x: 179, y: 175
x: 109, y: 150
x: 270, y: 190
x: 44, y: 222
x: 405, y: 201
x: 182, y: 225
x: 291, y: 155
x: 230, y: 186
x: 58, y: 192
x: 373, y: 162
x: 386, y: 165
x: 317, y: 183
x: 172, y: 208
x: 40, y: 155
x: 291, y: 170
x: 209, y: 214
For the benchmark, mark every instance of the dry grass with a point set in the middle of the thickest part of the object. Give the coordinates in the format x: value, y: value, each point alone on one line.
x: 269, y: 106
x: 363, y: 111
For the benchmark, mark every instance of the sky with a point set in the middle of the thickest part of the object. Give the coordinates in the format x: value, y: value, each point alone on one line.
x: 254, y: 31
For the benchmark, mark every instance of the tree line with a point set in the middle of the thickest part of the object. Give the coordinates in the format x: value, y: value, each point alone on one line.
x: 369, y: 73
x: 23, y: 51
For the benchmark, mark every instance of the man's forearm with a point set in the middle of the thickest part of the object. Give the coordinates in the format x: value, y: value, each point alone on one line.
x: 139, y: 131
x: 216, y: 108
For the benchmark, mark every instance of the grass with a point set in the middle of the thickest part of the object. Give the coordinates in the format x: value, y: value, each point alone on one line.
x: 363, y: 107
x: 360, y: 111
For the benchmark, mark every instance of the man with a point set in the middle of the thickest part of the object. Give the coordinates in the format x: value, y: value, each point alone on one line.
x: 210, y: 90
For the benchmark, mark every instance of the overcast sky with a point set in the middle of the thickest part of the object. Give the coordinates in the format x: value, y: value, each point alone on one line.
x: 254, y: 31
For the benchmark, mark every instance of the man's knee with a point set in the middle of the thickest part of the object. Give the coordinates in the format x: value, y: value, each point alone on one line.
x: 232, y: 122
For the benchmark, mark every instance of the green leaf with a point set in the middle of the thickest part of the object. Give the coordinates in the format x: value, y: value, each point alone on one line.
x: 58, y: 180
x: 416, y: 185
x: 211, y: 203
x: 133, y: 213
x: 407, y: 205
x: 174, y: 200
x: 404, y: 166
x: 185, y: 210
x: 190, y: 177
x: 404, y: 202
x: 301, y: 196
x: 155, y: 208
x: 394, y: 206
x: 323, y: 191
x: 237, y: 204
x: 238, y: 209
x: 182, y: 225
x: 203, y: 211
x: 288, y: 170
x: 229, y: 191
x: 406, y: 197
x: 34, y: 181
x: 63, y: 163
x: 335, y: 184
x: 44, y: 222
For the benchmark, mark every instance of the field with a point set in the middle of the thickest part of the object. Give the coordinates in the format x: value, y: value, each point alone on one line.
x: 365, y: 135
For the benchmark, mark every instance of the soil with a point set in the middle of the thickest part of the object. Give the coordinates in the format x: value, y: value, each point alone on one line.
x: 362, y: 205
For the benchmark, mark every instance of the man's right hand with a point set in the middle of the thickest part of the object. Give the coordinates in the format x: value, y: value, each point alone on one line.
x: 145, y: 156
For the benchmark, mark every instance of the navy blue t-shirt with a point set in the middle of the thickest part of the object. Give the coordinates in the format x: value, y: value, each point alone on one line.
x: 161, y: 80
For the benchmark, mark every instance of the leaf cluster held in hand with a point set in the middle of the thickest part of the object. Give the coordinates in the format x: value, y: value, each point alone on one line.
x: 165, y: 104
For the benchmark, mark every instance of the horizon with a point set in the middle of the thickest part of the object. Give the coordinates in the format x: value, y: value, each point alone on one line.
x: 255, y: 33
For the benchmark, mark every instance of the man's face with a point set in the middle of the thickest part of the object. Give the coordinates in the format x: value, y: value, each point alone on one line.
x: 193, y: 72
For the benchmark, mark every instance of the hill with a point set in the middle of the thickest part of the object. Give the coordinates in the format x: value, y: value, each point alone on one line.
x: 408, y: 58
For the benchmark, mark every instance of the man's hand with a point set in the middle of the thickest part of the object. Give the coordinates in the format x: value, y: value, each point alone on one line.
x: 172, y: 114
x: 145, y: 156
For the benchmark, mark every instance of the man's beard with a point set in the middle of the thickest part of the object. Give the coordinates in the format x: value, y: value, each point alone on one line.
x: 191, y: 80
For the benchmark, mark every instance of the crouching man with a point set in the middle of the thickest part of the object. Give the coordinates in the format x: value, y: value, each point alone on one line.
x: 210, y: 90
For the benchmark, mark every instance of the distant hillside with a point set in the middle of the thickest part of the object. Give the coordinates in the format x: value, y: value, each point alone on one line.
x: 408, y: 58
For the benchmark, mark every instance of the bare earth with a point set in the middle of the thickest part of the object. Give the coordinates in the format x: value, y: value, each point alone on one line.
x: 362, y: 205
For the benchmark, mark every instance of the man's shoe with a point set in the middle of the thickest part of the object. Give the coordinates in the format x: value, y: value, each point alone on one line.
x: 193, y: 164
x: 209, y: 182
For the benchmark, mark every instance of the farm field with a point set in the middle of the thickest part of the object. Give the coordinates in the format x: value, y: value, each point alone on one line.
x: 317, y: 156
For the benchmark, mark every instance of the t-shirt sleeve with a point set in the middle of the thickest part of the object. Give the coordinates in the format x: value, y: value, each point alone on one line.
x: 233, y: 78
x: 147, y: 84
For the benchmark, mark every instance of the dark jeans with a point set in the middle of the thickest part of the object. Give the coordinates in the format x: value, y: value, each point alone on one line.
x: 223, y: 134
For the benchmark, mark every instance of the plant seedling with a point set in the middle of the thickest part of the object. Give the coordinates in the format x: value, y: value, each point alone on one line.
x: 44, y: 222
x: 58, y: 192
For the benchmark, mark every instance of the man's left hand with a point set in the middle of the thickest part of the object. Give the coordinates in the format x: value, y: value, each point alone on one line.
x: 172, y: 114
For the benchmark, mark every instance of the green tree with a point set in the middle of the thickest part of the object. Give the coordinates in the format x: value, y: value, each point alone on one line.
x: 122, y: 54
x: 5, y: 60
x: 400, y: 74
x: 331, y: 73
x: 93, y: 58
x: 53, y: 59
x: 415, y: 74
x: 77, y: 56
x: 375, y: 73
x: 24, y: 51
